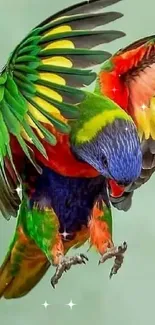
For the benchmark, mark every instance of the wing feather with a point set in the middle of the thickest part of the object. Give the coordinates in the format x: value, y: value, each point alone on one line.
x: 42, y: 82
x: 131, y: 73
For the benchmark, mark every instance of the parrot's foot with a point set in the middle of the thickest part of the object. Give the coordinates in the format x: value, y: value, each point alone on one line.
x: 118, y: 253
x: 65, y: 264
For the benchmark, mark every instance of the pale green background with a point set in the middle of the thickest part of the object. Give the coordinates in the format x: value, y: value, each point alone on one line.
x: 129, y: 298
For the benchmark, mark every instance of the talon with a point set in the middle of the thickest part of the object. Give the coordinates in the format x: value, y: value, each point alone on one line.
x: 118, y: 253
x: 65, y: 264
x: 84, y: 256
x: 52, y: 283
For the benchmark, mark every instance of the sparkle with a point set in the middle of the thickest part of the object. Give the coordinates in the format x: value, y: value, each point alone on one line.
x: 71, y: 304
x: 126, y: 129
x: 143, y: 107
x: 45, y: 304
x: 114, y: 89
x: 65, y: 234
x: 18, y: 190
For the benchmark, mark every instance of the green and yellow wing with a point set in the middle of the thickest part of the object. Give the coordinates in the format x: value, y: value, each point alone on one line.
x: 42, y: 81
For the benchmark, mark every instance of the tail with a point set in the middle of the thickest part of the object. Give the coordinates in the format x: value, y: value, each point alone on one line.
x: 22, y: 268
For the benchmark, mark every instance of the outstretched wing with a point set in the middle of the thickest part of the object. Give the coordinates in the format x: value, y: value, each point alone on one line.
x: 128, y: 78
x: 39, y: 86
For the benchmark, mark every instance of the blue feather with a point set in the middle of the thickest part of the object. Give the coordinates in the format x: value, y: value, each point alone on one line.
x: 71, y: 198
x: 115, y: 152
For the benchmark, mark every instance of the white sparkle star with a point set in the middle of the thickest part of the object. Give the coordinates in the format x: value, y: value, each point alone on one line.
x: 114, y: 89
x: 65, y: 234
x: 45, y: 304
x: 143, y: 107
x: 18, y: 190
x: 71, y: 304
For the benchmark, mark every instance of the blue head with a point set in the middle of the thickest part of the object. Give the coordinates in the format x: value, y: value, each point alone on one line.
x: 115, y: 152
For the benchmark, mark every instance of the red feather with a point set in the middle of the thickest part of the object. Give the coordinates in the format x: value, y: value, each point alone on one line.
x: 112, y: 83
x: 60, y: 158
x: 112, y: 87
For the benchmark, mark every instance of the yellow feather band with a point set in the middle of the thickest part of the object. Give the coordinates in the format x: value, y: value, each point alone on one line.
x: 49, y: 92
x: 64, y: 44
x: 52, y: 77
x: 145, y: 118
x: 95, y: 124
x: 59, y: 61
x: 57, y: 30
x: 33, y: 125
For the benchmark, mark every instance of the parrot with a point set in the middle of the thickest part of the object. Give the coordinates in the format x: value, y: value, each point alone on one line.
x: 60, y: 145
x: 130, y: 72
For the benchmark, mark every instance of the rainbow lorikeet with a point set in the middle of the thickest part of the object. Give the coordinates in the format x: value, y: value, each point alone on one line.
x: 62, y: 144
x: 128, y: 79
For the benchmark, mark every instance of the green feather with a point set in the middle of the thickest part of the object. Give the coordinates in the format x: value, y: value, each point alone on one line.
x: 60, y: 126
x: 34, y: 138
x: 14, y: 127
x: 75, y: 95
x: 1, y: 92
x: 3, y: 78
x: 27, y: 78
x: 27, y: 58
x: 27, y: 153
x: 48, y: 135
x: 29, y: 86
x: 25, y: 69
x: 95, y: 113
x: 13, y: 103
x: 107, y: 36
x: 33, y: 49
x: 30, y: 40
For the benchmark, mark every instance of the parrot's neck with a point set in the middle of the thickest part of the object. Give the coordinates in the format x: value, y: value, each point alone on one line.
x: 96, y: 112
x: 109, y: 83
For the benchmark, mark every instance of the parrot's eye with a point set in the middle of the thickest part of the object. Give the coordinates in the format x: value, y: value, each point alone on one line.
x: 104, y: 162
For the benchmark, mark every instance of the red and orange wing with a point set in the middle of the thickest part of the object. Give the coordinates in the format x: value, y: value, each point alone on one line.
x: 128, y: 78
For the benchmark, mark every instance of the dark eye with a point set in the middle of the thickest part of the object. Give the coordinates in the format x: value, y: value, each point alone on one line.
x: 104, y: 162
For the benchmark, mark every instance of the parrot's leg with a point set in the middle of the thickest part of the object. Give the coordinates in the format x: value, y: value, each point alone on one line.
x: 43, y: 226
x: 44, y: 229
x: 118, y: 253
x: 100, y: 227
x: 65, y: 264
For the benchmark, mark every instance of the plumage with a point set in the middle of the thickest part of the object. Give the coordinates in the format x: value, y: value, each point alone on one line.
x: 38, y: 85
x: 131, y: 72
x: 77, y: 197
x: 61, y: 143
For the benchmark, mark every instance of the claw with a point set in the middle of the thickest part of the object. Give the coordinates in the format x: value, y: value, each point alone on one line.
x: 84, y: 256
x: 118, y: 253
x: 65, y: 264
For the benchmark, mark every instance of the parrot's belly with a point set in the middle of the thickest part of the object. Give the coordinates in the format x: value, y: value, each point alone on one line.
x: 71, y: 198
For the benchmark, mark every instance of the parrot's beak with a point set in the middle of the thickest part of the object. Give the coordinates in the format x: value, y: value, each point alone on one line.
x: 125, y: 184
x: 115, y: 189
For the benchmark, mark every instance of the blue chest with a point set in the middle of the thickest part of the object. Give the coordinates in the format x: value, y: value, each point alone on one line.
x: 71, y: 198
